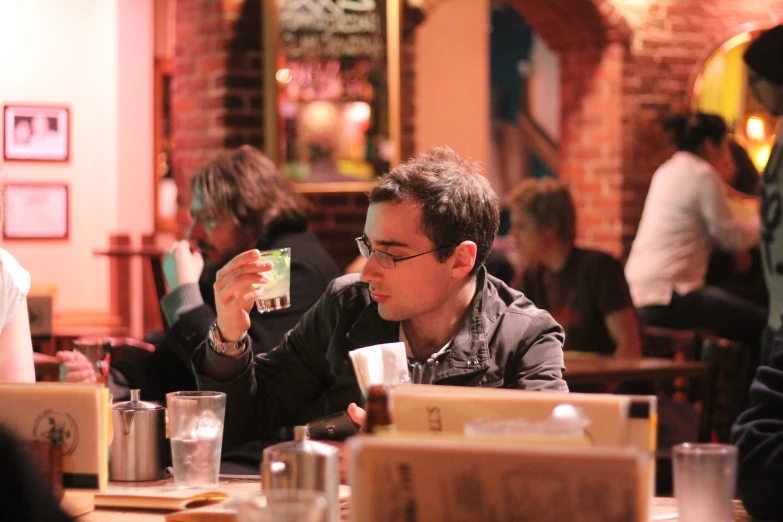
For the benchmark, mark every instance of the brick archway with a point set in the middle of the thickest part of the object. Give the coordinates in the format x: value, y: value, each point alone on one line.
x: 753, y: 28
x: 568, y: 23
x: 591, y: 38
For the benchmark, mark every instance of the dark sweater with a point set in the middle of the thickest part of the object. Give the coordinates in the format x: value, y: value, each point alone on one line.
x: 169, y: 368
x: 758, y: 433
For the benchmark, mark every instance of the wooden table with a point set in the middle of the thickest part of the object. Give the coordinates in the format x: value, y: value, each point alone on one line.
x: 234, y: 487
x: 596, y: 369
x: 63, y: 336
x: 663, y: 509
x: 588, y: 368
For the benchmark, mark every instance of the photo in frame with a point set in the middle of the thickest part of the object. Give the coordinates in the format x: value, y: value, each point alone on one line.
x: 35, y: 211
x: 36, y: 133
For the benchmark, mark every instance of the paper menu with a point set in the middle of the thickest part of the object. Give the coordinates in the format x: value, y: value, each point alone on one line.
x: 407, y: 479
x: 380, y: 364
x: 74, y: 415
x: 446, y: 409
x: 163, y: 497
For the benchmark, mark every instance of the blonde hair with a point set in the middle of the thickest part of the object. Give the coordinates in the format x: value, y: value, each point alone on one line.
x: 548, y: 202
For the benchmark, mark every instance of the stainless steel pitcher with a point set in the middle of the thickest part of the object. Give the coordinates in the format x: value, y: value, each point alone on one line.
x: 304, y: 464
x: 136, y: 452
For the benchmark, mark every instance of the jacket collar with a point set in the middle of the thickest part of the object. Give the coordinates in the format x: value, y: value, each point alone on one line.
x: 468, y: 352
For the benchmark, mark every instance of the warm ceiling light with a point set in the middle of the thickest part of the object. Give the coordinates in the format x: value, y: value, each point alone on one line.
x: 755, y: 129
x: 359, y: 112
x: 284, y: 75
x: 762, y: 157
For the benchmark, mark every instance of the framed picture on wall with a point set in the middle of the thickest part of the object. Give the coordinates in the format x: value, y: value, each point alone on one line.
x: 35, y: 211
x: 36, y: 133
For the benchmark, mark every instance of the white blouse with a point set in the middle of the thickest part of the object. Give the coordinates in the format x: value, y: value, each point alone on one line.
x: 685, y: 215
x: 14, y: 286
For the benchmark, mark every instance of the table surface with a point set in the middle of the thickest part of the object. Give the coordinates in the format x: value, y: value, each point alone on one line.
x: 145, y: 251
x: 597, y: 368
x: 663, y: 508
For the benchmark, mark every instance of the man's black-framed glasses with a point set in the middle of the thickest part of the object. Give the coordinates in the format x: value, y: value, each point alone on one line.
x: 385, y: 259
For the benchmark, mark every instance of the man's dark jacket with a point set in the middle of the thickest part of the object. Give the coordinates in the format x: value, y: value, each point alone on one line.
x: 312, y: 268
x: 502, y: 341
x: 758, y: 433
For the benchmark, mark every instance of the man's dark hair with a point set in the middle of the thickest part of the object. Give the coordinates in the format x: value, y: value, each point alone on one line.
x: 245, y: 186
x: 457, y: 202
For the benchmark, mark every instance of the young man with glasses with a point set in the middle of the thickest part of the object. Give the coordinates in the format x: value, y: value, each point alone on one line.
x: 429, y: 228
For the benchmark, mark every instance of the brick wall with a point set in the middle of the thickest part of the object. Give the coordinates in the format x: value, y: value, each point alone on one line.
x: 216, y: 81
x: 337, y: 218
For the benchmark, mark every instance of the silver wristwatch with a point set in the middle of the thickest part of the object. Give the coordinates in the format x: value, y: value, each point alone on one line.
x: 225, y: 347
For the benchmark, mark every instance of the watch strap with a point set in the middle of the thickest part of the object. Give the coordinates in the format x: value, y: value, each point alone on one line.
x: 225, y: 347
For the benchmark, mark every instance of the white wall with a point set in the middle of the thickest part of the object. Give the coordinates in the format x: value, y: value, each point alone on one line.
x: 544, y: 86
x: 452, y: 79
x: 96, y: 57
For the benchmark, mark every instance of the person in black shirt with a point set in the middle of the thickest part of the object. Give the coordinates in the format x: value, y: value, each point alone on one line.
x: 584, y: 290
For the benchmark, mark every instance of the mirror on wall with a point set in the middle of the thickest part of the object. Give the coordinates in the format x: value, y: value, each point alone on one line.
x: 721, y: 87
x: 333, y: 90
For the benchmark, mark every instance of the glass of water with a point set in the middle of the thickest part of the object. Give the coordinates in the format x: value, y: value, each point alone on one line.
x: 277, y: 293
x: 196, y: 431
x: 704, y: 481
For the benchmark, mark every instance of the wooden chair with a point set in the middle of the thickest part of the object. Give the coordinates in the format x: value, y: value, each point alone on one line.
x: 729, y: 376
x: 670, y: 343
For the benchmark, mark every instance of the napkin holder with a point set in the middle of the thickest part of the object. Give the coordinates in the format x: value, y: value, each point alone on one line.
x: 73, y: 416
x: 478, y: 480
x: 380, y: 364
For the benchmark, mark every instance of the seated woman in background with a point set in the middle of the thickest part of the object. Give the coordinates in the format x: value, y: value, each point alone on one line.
x: 740, y: 273
x: 584, y: 290
x: 686, y: 215
x: 16, y: 345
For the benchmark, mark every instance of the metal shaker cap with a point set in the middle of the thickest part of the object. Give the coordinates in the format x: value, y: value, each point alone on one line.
x: 135, y: 403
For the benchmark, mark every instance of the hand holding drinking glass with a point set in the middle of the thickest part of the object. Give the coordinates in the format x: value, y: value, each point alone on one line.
x: 237, y: 287
x: 75, y: 367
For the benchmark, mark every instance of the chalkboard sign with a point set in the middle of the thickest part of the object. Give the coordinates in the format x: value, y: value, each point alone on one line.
x: 331, y: 75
